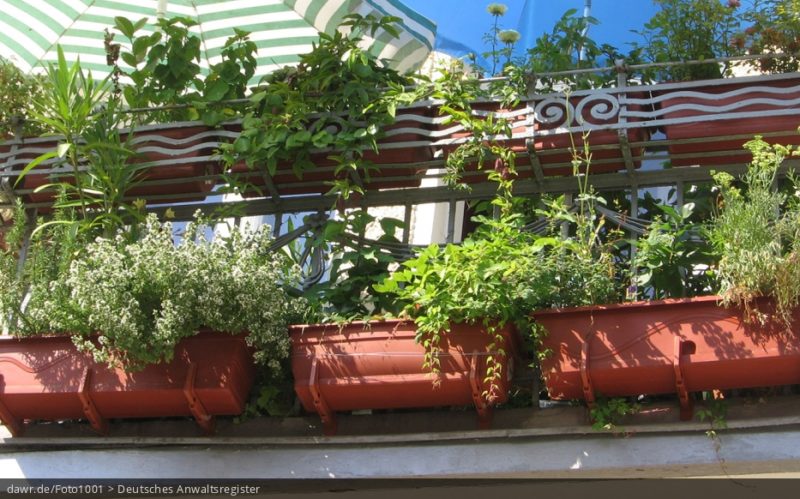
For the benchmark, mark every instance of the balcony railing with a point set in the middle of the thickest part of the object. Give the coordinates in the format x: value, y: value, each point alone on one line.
x: 632, y: 131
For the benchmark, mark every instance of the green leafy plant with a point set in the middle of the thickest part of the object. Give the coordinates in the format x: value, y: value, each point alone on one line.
x: 457, y: 91
x: 568, y: 46
x: 687, y: 30
x: 18, y: 93
x: 339, y: 98
x: 165, y: 71
x: 588, y: 238
x: 88, y: 120
x: 501, y: 272
x: 478, y: 281
x: 757, y: 235
x: 715, y: 412
x: 608, y: 412
x: 272, y: 395
x: 164, y: 67
x: 672, y: 257
x: 357, y: 263
x: 130, y: 302
x: 495, y: 277
x: 774, y: 29
x: 228, y: 80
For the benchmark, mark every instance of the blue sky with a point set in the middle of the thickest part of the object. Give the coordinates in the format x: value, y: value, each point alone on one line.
x: 461, y: 24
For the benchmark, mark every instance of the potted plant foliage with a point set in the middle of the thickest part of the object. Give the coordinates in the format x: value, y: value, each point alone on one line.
x: 529, y: 109
x: 81, y: 137
x: 151, y: 121
x: 107, y: 309
x: 177, y: 109
x: 744, y: 336
x: 686, y: 30
x: 399, y: 363
x: 331, y: 122
x: 478, y: 121
x: 462, y: 308
x: 132, y: 325
x: 18, y: 94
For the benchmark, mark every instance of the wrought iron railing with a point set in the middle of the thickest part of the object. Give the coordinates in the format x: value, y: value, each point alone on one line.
x: 632, y: 129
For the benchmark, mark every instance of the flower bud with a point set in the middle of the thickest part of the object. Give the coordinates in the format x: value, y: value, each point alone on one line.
x: 497, y: 9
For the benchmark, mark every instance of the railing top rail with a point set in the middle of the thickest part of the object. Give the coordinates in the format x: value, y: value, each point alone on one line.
x: 620, y: 66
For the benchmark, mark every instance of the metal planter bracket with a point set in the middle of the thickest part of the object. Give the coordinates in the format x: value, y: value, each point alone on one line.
x: 687, y: 405
x: 203, y: 418
x: 14, y: 424
x: 484, y: 409
x: 98, y: 422
x: 588, y: 390
x: 325, y: 413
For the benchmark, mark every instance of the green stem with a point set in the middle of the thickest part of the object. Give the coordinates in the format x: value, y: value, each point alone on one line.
x: 78, y: 184
x: 495, y: 31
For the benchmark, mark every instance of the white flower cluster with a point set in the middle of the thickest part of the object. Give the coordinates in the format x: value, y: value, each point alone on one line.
x: 139, y: 299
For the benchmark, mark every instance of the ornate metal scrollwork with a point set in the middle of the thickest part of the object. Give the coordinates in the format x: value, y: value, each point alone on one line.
x: 595, y: 109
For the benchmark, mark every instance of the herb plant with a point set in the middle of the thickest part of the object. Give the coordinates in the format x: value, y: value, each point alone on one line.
x: 757, y: 235
x: 130, y: 302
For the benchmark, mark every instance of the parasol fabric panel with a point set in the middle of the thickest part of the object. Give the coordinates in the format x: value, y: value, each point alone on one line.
x: 282, y: 29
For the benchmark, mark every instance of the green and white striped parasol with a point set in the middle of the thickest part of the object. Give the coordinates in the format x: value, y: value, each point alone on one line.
x: 282, y: 29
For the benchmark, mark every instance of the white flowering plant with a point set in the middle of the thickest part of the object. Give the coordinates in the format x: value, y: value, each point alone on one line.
x: 130, y: 302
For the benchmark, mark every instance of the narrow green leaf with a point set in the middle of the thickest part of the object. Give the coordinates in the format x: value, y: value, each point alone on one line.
x: 33, y: 164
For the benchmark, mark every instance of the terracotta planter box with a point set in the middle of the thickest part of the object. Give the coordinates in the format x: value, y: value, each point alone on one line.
x: 189, y: 150
x: 667, y: 346
x: 319, y: 180
x: 728, y: 123
x: 378, y: 365
x: 604, y: 160
x: 47, y: 378
x: 24, y: 152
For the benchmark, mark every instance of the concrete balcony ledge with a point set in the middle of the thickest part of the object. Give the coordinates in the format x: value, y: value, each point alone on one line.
x: 558, y: 421
x: 761, y: 437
